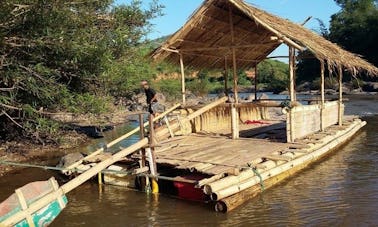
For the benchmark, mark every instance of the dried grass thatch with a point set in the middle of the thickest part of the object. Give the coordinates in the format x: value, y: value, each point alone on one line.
x: 205, y: 41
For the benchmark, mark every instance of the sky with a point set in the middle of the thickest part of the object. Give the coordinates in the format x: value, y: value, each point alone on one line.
x: 177, y: 12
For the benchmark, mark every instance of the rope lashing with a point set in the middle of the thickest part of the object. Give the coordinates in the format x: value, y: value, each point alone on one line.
x: 255, y: 171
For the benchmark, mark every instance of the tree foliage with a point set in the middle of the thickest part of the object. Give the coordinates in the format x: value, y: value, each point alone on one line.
x: 355, y: 28
x: 55, y: 53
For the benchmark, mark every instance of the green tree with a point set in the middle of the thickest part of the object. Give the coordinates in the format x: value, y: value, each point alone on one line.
x: 52, y: 52
x: 355, y: 27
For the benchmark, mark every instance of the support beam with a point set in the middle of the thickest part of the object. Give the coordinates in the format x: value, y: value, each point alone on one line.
x: 183, y: 90
x: 194, y: 49
x: 322, y: 69
x: 340, y: 95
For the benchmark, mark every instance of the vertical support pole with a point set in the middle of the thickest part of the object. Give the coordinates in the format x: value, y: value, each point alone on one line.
x: 183, y: 90
x: 322, y: 69
x: 225, y: 77
x: 291, y: 73
x: 142, y: 152
x: 235, y: 73
x: 151, y: 154
x: 255, y: 83
x: 340, y: 96
x: 290, y: 118
x: 234, y: 112
x: 234, y: 122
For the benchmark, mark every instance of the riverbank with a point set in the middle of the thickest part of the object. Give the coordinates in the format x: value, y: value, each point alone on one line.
x: 71, y: 137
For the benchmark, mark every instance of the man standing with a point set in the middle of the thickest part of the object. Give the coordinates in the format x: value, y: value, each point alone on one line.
x: 150, y: 96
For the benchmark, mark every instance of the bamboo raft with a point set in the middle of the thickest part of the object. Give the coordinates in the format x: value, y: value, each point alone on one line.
x: 207, y: 153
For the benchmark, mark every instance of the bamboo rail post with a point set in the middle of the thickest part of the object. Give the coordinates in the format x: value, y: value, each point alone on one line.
x: 322, y: 69
x: 152, y: 158
x: 183, y: 90
x: 340, y: 117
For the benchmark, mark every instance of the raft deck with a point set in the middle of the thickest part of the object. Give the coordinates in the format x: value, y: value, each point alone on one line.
x: 215, y: 154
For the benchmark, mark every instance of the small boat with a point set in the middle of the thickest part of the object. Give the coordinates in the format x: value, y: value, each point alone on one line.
x: 26, y: 196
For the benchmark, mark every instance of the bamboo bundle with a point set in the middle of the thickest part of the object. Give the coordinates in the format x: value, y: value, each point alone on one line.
x: 307, y: 158
x: 211, y: 186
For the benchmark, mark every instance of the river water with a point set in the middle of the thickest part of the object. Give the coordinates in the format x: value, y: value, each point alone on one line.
x: 340, y: 190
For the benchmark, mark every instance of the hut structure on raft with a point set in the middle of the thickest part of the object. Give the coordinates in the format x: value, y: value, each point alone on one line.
x: 223, y: 34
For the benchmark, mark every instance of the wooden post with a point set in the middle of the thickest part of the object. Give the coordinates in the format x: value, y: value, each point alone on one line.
x: 291, y: 73
x: 151, y: 154
x: 322, y: 69
x: 225, y: 77
x: 290, y: 138
x: 142, y: 152
x: 255, y: 83
x: 183, y: 90
x: 340, y: 95
x: 234, y: 115
x: 235, y: 73
x: 234, y: 122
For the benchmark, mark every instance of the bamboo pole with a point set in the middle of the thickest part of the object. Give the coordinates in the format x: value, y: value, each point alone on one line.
x: 290, y: 131
x: 235, y: 76
x: 72, y: 184
x: 125, y: 136
x: 225, y: 77
x: 234, y: 122
x: 322, y: 69
x: 183, y: 90
x: 142, y: 152
x: 256, y: 82
x: 340, y: 117
x: 291, y: 71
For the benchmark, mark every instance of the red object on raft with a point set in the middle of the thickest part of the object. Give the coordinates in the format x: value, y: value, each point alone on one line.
x: 188, y: 191
x: 249, y: 122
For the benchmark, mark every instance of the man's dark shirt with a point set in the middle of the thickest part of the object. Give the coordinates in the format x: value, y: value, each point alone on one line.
x: 150, y: 94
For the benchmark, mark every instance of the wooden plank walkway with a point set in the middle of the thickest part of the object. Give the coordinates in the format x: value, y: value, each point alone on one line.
x: 214, y: 154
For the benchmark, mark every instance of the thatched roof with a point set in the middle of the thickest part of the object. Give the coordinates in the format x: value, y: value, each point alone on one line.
x: 205, y: 40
